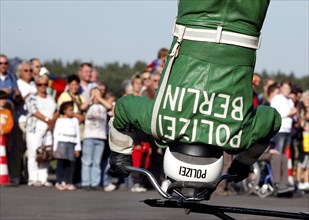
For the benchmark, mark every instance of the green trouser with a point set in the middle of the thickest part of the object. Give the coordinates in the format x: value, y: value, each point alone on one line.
x: 205, y: 94
x: 207, y: 99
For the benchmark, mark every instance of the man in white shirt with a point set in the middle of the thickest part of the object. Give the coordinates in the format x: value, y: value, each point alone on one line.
x: 285, y: 106
x: 26, y: 87
x: 86, y: 84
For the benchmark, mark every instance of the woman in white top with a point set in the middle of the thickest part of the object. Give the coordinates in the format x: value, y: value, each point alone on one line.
x: 40, y: 120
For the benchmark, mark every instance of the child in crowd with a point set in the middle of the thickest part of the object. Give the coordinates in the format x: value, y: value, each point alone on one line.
x: 94, y: 139
x: 158, y: 64
x: 66, y: 146
x: 6, y: 118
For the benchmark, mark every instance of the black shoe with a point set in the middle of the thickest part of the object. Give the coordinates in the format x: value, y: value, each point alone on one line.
x: 14, y: 182
x: 284, y: 188
x: 96, y: 188
x: 87, y: 188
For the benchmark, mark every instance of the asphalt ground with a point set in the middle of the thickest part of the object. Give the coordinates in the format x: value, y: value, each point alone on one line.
x: 24, y: 202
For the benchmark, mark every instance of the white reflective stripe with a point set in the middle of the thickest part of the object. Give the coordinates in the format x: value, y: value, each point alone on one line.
x: 2, y: 151
x: 218, y: 36
x: 4, y: 169
x: 158, y: 100
x: 156, y: 107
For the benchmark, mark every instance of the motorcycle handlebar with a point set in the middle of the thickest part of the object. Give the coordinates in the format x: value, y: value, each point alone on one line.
x: 165, y: 195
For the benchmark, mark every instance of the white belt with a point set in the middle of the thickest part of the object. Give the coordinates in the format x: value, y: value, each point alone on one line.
x: 216, y: 36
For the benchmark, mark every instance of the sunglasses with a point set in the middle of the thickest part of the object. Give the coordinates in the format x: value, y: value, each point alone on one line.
x: 42, y: 84
x: 27, y: 70
x: 5, y: 63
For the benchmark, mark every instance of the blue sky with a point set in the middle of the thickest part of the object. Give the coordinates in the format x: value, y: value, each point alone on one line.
x: 126, y: 31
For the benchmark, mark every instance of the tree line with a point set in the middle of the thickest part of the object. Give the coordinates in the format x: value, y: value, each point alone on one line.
x: 115, y: 73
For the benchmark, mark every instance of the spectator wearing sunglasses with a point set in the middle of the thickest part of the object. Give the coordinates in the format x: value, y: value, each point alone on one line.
x: 18, y: 147
x: 40, y: 120
x: 153, y: 85
x: 8, y: 80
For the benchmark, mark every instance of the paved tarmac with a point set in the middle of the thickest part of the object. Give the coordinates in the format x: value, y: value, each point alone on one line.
x: 23, y: 203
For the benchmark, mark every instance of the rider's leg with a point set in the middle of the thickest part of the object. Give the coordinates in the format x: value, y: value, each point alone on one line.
x: 222, y: 188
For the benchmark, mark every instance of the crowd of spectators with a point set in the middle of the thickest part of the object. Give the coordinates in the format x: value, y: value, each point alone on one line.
x: 73, y: 117
x: 291, y: 142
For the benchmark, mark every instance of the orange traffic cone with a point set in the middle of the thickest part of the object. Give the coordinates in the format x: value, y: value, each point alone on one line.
x: 288, y: 154
x: 4, y: 174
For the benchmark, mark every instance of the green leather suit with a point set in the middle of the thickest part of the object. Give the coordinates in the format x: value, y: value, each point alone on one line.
x: 208, y: 95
